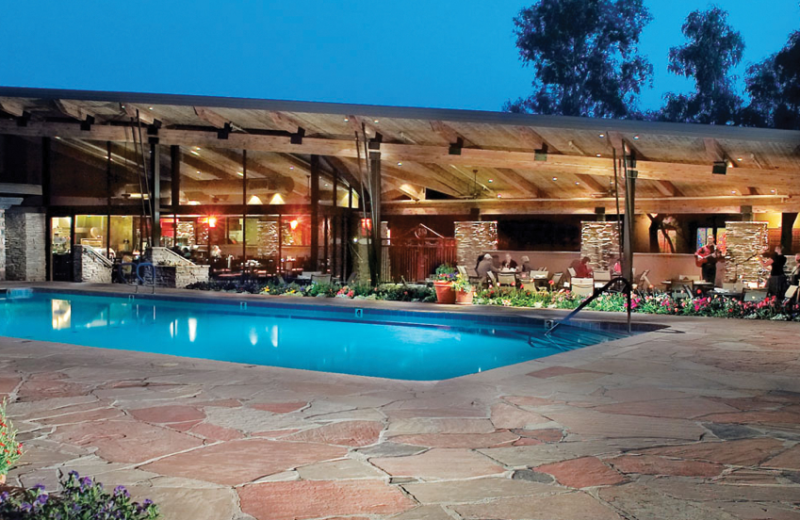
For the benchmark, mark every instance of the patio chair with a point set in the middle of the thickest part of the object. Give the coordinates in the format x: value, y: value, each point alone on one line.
x: 572, y: 272
x: 557, y: 279
x: 321, y: 278
x: 791, y: 294
x: 492, y: 277
x: 583, y: 287
x: 506, y: 279
x: 601, y: 278
x: 461, y: 270
x: 529, y: 285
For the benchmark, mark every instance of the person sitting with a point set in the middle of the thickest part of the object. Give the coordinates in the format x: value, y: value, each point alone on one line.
x: 775, y: 262
x: 216, y: 252
x: 509, y: 263
x: 582, y: 268
x: 794, y: 277
x: 484, y: 266
x: 526, y: 264
x: 615, y: 266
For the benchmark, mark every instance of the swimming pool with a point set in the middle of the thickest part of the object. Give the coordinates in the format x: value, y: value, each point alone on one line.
x: 418, y: 346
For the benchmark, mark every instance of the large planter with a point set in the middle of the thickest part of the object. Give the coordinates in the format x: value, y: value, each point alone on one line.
x: 444, y: 292
x: 464, y: 297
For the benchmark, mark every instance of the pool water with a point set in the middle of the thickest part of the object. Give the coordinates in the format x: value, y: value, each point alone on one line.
x: 433, y: 347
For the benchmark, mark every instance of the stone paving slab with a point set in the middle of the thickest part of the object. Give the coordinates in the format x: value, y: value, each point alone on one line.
x: 698, y: 422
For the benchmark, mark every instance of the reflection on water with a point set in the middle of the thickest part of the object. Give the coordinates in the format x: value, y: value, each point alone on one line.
x: 62, y: 314
x: 307, y: 340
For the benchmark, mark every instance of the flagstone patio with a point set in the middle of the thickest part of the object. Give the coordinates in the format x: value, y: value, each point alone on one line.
x: 697, y: 421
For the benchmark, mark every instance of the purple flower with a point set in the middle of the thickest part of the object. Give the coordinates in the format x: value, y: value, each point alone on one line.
x: 42, y: 499
x: 120, y: 490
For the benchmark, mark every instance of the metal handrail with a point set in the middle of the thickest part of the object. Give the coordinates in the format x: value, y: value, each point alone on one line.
x: 587, y: 301
x: 139, y: 276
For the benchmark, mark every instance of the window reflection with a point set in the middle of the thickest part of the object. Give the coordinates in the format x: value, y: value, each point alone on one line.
x: 61, y: 311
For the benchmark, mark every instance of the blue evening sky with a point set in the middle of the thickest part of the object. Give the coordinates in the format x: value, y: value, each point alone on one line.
x: 447, y: 54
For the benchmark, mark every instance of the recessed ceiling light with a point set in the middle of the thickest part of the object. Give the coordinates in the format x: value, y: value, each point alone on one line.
x: 240, y: 174
x: 635, y: 137
x: 772, y: 191
x: 195, y: 153
x: 739, y: 159
x: 555, y: 178
x: 602, y: 136
x: 346, y: 119
x: 599, y: 155
x: 151, y: 108
x: 399, y: 164
x: 291, y: 167
x: 498, y: 195
x: 198, y: 171
x: 576, y: 183
x: 733, y: 191
x: 376, y: 121
x: 491, y: 181
x: 58, y: 138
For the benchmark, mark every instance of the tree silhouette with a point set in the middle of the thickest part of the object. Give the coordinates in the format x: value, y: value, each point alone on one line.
x: 774, y: 89
x: 585, y: 57
x: 712, y: 49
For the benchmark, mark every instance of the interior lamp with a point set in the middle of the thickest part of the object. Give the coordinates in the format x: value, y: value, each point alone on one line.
x: 293, y: 224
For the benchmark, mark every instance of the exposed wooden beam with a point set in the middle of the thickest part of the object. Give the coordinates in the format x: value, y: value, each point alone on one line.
x: 450, y: 134
x: 667, y: 189
x: 73, y: 110
x: 134, y: 111
x: 587, y: 205
x: 518, y: 182
x: 715, y: 152
x: 531, y: 139
x: 9, y: 106
x: 592, y: 183
x: 211, y: 117
x: 787, y: 178
x: 20, y: 189
x: 285, y: 122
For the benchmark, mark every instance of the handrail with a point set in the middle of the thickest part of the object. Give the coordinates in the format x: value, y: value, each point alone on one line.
x: 587, y: 301
x: 139, y: 276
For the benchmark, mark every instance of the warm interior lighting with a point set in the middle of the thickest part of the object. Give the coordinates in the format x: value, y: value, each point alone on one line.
x: 193, y: 203
x: 635, y: 137
x: 602, y: 136
x: 240, y: 174
x: 346, y: 119
x: 555, y: 178
x: 293, y: 224
x: 399, y: 164
x: 277, y: 199
x: 255, y: 199
x: 212, y: 222
x: 491, y: 181
x: 194, y: 152
x: 599, y: 155
x: 376, y: 121
x: 291, y: 167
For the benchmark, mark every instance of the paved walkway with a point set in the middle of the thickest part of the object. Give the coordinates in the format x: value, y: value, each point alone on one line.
x: 699, y: 421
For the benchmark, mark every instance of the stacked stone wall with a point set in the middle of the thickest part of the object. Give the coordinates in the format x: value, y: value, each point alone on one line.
x: 745, y: 239
x: 600, y: 242
x: 474, y: 238
x: 25, y: 246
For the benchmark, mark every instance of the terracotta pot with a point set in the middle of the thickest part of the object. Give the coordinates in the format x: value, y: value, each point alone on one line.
x: 464, y: 297
x: 444, y: 292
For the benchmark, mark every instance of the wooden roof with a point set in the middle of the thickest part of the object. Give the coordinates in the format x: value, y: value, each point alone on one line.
x: 497, y: 169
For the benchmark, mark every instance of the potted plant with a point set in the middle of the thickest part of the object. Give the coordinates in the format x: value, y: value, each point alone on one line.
x: 443, y: 283
x: 10, y: 449
x: 464, y: 290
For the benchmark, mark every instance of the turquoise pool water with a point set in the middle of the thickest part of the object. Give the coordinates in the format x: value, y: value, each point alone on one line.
x: 411, y: 346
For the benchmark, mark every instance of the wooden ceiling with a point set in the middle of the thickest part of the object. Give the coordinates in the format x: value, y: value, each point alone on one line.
x: 481, y: 160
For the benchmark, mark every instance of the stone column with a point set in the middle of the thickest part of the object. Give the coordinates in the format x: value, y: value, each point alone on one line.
x: 474, y: 238
x: 599, y: 241
x: 744, y: 239
x: 25, y: 246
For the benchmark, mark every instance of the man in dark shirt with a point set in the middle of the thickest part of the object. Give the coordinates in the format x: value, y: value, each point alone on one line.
x: 775, y: 262
x: 509, y: 263
x: 709, y: 255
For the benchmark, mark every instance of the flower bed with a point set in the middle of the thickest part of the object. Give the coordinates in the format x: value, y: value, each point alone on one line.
x: 709, y: 306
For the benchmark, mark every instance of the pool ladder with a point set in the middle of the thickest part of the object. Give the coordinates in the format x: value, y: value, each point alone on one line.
x: 615, y: 281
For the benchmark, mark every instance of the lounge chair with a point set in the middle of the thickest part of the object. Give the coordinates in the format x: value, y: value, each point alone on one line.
x: 506, y: 279
x: 583, y: 286
x: 321, y: 278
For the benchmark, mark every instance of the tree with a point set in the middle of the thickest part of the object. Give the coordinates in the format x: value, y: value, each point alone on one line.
x: 713, y: 48
x: 585, y: 57
x: 774, y: 89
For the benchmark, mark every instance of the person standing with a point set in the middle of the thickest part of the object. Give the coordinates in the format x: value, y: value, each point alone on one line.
x: 775, y: 262
x: 707, y: 258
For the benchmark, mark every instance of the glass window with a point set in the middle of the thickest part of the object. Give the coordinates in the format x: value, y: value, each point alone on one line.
x: 90, y: 230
